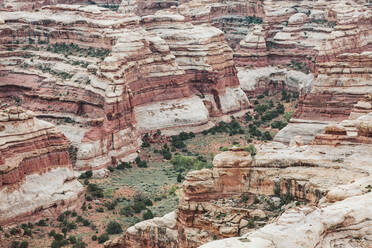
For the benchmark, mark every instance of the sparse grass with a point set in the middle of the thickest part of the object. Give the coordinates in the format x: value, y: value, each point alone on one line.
x: 73, y: 49
x: 132, y: 193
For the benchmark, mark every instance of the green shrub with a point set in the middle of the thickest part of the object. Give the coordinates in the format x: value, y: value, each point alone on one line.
x: 183, y: 136
x: 14, y: 231
x: 24, y: 244
x: 59, y: 243
x: 52, y: 233
x: 69, y: 49
x: 58, y: 237
x: 94, y: 237
x: 138, y: 206
x: 253, y: 131
x: 95, y: 190
x: 79, y: 244
x: 100, y: 210
x: 285, y: 199
x: 261, y: 108
x: 146, y: 140
x: 268, y: 116
x: 288, y: 115
x: 86, y: 222
x: 172, y: 190
x: 69, y: 225
x: 244, y: 198
x: 224, y: 149
x: 41, y: 223
x: 267, y: 136
x: 148, y: 215
x: 27, y: 231
x: 184, y: 163
x: 141, y: 163
x: 114, y: 228
x: 15, y: 244
x: 251, y: 223
x: 124, y: 165
x: 278, y: 124
x: 148, y: 202
x: 111, y: 205
x: 103, y: 238
x: 179, y: 177
x: 167, y: 155
x: 277, y: 189
x: 72, y: 239
x: 178, y: 144
x: 280, y: 108
x: 87, y: 174
x: 247, y: 117
x: 251, y: 149
x: 127, y: 211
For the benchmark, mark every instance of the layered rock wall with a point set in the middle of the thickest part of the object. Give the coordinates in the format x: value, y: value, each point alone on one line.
x: 96, y: 73
x: 34, y: 154
x: 37, y: 4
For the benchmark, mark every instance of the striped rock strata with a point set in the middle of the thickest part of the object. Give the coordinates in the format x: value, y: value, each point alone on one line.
x: 36, y: 176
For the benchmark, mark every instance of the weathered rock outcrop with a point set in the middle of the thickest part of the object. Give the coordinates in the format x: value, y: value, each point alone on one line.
x: 329, y: 39
x: 30, y: 5
x: 149, y: 231
x: 256, y: 81
x: 232, y: 17
x: 212, y: 207
x: 36, y: 176
x: 111, y: 76
x: 344, y: 223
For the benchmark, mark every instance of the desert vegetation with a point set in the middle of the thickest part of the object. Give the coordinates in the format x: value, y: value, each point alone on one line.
x: 150, y: 185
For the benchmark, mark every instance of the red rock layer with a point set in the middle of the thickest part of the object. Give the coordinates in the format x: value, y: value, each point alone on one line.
x: 32, y: 148
x: 37, y: 4
x: 45, y: 149
x: 329, y: 100
x: 122, y: 66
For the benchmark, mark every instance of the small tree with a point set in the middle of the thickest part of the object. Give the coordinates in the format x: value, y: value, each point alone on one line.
x: 148, y: 215
x: 251, y: 149
x: 103, y: 238
x: 24, y: 244
x: 179, y: 177
x: 114, y: 228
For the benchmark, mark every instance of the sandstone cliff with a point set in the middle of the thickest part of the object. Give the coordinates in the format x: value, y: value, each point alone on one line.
x: 36, y: 176
x: 329, y: 178
x: 104, y: 77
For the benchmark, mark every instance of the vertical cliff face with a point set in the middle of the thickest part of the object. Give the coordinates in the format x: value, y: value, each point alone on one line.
x: 36, y: 176
x: 36, y: 4
x: 104, y: 77
x: 232, y: 17
x: 322, y: 38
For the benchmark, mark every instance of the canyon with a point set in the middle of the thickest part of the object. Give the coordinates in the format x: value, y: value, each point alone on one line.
x: 82, y: 82
x: 329, y: 209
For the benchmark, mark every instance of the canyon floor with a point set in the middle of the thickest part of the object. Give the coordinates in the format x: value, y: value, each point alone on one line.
x: 185, y: 123
x: 127, y: 192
